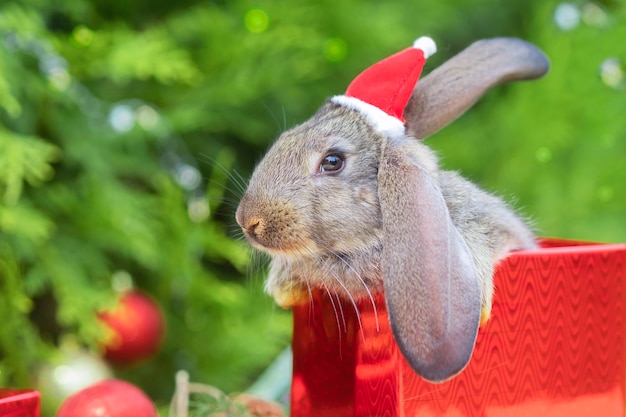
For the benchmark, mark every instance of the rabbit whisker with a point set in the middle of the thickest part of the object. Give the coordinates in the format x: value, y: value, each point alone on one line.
x: 362, y: 281
x: 257, y: 261
x: 275, y: 118
x: 235, y: 191
x: 311, y: 304
x: 350, y: 297
x: 343, y: 317
x: 284, y: 118
x: 332, y: 303
x: 324, y: 264
x: 240, y: 182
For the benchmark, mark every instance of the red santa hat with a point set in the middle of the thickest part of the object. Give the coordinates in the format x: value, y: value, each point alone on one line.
x: 382, y: 91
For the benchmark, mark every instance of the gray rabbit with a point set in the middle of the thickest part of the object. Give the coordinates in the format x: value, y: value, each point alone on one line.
x: 352, y: 203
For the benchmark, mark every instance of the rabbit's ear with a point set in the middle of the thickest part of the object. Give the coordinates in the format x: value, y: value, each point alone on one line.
x: 431, y: 285
x: 445, y: 93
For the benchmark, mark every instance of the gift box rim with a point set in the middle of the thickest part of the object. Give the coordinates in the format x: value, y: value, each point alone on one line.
x: 558, y: 246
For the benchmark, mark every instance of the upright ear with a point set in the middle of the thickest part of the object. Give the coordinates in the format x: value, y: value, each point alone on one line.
x: 445, y: 93
x: 431, y: 285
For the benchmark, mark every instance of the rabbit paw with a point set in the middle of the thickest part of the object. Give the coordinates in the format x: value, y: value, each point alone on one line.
x: 290, y: 297
x: 485, y: 314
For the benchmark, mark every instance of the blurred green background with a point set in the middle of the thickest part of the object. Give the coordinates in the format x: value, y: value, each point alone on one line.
x: 126, y: 127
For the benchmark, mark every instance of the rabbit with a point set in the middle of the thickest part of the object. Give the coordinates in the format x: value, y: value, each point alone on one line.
x: 341, y: 207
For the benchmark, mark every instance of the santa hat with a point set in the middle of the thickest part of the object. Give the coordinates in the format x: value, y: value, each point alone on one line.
x: 382, y: 91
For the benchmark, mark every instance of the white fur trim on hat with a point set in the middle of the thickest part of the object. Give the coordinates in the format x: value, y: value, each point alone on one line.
x: 426, y: 44
x: 380, y: 121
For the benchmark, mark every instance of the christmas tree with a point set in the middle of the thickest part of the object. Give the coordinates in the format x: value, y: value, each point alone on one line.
x: 127, y: 130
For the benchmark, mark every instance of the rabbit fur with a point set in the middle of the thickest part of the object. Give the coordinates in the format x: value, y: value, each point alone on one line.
x: 326, y: 231
x: 358, y: 231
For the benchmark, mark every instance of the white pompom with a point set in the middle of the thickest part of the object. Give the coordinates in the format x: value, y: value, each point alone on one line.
x: 426, y: 44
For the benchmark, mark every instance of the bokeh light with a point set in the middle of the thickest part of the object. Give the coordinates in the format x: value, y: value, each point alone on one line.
x: 59, y: 79
x: 147, y: 117
x: 187, y: 176
x: 122, y: 118
x: 198, y: 209
x: 121, y: 281
x: 605, y: 193
x: 335, y: 49
x: 594, y: 15
x: 543, y: 154
x: 55, y: 68
x: 567, y: 16
x: 256, y: 20
x: 612, y: 73
x: 82, y: 36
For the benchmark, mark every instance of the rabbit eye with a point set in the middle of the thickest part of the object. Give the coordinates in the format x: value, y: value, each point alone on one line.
x: 332, y: 163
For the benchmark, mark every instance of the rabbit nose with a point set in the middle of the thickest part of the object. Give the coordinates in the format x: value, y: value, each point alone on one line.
x: 252, y: 225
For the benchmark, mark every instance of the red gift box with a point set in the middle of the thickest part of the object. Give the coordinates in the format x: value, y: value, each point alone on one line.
x: 19, y: 403
x: 555, y: 346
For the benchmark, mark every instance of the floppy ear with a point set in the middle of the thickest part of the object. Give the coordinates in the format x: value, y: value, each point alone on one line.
x: 431, y: 285
x: 449, y: 90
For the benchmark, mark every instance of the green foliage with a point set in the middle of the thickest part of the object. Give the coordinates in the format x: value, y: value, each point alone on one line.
x: 216, y: 406
x: 556, y: 144
x: 94, y: 186
x: 24, y: 159
x: 121, y: 124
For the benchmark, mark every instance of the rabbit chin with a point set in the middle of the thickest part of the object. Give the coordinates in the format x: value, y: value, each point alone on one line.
x: 291, y: 279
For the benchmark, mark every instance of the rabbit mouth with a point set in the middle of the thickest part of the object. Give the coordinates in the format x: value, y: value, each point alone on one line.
x: 289, y: 252
x: 261, y: 242
x: 276, y: 242
x: 272, y: 227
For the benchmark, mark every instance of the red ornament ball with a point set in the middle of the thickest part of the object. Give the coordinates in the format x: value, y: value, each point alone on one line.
x: 108, y: 398
x: 137, y: 329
